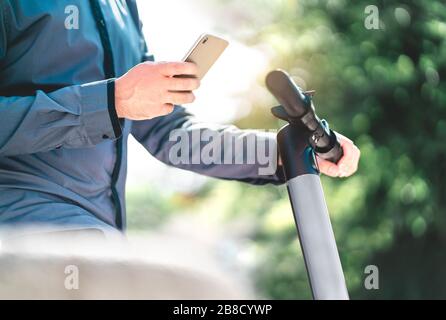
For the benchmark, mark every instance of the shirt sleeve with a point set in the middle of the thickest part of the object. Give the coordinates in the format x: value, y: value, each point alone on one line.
x: 72, y: 117
x: 181, y: 141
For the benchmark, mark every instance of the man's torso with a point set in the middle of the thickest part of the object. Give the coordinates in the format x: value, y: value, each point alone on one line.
x: 64, y: 185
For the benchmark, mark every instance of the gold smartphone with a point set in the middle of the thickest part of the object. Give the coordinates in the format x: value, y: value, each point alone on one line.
x: 205, y: 52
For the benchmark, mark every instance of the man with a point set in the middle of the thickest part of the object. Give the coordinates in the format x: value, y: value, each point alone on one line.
x: 71, y: 92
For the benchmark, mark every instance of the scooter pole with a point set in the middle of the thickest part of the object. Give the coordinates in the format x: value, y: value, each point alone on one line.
x: 298, y: 141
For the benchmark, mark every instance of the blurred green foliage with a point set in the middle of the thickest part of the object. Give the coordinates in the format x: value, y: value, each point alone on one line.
x: 385, y: 89
x: 147, y: 208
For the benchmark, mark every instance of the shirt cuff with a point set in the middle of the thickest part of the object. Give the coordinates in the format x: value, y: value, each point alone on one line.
x: 99, y: 118
x: 112, y: 108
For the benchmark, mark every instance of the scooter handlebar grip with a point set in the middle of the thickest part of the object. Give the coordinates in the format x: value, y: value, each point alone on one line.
x: 335, y: 153
x: 290, y: 96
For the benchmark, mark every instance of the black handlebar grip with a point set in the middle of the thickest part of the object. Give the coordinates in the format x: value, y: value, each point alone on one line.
x: 333, y: 152
x: 291, y: 97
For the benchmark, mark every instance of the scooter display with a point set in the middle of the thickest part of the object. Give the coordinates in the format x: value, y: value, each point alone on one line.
x: 298, y: 141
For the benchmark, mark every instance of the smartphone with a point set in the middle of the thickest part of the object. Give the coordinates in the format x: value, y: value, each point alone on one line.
x: 205, y: 52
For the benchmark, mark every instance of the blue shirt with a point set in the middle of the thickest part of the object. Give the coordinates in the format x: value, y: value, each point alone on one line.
x: 62, y: 148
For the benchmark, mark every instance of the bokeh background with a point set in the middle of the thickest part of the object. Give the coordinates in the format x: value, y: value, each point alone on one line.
x: 383, y: 88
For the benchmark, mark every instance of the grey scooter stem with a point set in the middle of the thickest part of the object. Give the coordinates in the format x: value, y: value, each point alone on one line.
x: 311, y: 215
x: 316, y: 238
x: 304, y: 135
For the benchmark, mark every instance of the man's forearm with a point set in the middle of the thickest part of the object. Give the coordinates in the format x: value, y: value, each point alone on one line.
x: 219, y: 151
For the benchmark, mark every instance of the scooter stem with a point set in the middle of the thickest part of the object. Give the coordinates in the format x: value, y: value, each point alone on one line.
x: 298, y: 141
x: 314, y: 228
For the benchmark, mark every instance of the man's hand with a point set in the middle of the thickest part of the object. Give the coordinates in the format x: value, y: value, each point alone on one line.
x: 150, y: 89
x: 348, y: 163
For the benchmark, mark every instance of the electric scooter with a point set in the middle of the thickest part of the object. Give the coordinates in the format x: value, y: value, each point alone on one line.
x: 298, y: 141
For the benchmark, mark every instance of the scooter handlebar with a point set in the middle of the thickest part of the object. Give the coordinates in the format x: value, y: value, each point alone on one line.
x: 299, y: 108
x: 290, y: 96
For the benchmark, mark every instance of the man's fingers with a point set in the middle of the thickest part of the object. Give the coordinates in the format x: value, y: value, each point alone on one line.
x: 328, y: 168
x: 347, y: 165
x: 183, y: 84
x: 171, y: 69
x: 179, y: 97
x: 344, y: 163
x: 349, y: 162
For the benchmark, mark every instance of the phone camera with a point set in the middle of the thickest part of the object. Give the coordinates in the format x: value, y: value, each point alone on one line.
x: 205, y: 40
